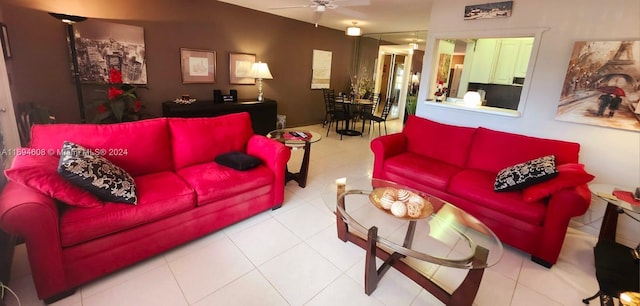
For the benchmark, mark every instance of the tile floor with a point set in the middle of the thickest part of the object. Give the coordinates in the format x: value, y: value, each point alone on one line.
x: 291, y: 256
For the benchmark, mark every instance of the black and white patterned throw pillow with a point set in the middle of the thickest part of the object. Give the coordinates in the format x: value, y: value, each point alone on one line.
x: 526, y: 174
x: 96, y: 174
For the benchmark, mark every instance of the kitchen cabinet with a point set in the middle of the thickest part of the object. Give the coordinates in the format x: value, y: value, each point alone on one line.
x: 522, y: 63
x: 483, y: 61
x: 498, y: 61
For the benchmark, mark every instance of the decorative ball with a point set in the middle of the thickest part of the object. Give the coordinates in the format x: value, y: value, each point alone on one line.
x: 414, y: 210
x: 386, y: 201
x: 417, y: 200
x: 403, y: 195
x: 399, y: 209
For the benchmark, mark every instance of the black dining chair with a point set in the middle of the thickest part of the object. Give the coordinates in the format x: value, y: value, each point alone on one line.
x: 335, y: 112
x: 368, y: 110
x: 382, y: 119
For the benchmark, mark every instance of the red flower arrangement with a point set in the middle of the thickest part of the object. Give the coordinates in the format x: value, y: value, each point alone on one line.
x: 122, y: 104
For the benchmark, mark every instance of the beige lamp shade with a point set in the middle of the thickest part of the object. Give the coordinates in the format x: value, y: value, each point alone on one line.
x: 260, y: 70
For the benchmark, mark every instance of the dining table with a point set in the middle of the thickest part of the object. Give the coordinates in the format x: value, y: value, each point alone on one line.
x: 353, y: 108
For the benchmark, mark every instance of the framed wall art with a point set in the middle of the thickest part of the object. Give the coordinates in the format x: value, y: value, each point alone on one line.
x: 602, y: 85
x: 104, y: 45
x: 198, y: 66
x: 321, y: 65
x: 240, y: 68
x: 488, y: 10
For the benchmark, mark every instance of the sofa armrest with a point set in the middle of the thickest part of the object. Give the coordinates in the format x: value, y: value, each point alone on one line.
x: 561, y: 207
x: 34, y: 216
x: 275, y: 156
x: 384, y: 147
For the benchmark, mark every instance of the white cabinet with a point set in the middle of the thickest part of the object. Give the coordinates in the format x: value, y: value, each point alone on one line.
x: 498, y: 61
x: 505, y: 62
x: 483, y: 61
x: 522, y: 63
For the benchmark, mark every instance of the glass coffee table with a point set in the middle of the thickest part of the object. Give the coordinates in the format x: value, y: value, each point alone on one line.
x: 415, y: 236
x: 297, y: 139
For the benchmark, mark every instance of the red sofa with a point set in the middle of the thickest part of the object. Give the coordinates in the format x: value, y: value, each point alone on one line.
x: 182, y: 194
x: 459, y: 164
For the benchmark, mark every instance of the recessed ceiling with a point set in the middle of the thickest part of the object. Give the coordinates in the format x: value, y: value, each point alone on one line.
x: 373, y: 16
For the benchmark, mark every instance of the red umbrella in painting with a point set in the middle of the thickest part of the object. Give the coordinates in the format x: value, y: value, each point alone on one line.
x: 612, y: 90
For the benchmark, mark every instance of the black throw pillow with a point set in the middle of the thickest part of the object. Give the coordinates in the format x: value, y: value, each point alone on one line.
x: 238, y: 160
x: 96, y: 174
x: 526, y: 174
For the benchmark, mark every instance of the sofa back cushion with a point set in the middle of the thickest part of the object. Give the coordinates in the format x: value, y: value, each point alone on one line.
x: 495, y: 150
x: 139, y: 147
x: 200, y: 140
x: 439, y: 141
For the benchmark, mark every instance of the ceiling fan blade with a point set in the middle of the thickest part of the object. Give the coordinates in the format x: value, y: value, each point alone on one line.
x: 345, y: 3
x: 290, y: 6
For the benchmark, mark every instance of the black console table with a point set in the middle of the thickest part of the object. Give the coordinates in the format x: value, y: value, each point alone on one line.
x: 263, y: 114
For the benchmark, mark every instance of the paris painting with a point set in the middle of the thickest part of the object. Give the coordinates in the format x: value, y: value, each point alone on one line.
x: 602, y: 85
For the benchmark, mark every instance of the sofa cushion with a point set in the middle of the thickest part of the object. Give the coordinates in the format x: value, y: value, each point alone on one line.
x: 139, y: 147
x: 160, y: 195
x: 439, y: 141
x: 96, y: 174
x: 238, y: 160
x: 212, y: 181
x: 40, y: 172
x: 224, y: 134
x: 569, y: 175
x: 426, y: 171
x: 525, y: 174
x: 493, y: 151
x: 477, y: 186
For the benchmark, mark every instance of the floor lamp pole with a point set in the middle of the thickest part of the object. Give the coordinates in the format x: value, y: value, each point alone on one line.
x: 69, y: 20
x: 76, y: 72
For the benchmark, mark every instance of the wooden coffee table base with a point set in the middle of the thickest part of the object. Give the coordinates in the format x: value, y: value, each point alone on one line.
x: 463, y: 295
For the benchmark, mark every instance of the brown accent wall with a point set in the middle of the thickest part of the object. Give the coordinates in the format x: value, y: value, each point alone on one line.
x: 40, y: 68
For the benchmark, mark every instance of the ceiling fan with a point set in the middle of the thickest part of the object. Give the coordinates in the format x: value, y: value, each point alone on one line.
x: 320, y: 6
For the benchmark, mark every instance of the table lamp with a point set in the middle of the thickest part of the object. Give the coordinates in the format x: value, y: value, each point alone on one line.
x: 261, y: 71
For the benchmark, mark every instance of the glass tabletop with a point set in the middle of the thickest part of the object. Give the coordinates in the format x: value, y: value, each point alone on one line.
x: 294, y: 137
x: 605, y: 192
x: 440, y: 233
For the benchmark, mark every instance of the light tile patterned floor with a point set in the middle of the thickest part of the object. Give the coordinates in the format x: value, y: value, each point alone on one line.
x: 291, y: 256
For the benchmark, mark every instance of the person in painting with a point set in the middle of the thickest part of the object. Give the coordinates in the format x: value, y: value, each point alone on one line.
x: 605, y: 100
x: 614, y: 104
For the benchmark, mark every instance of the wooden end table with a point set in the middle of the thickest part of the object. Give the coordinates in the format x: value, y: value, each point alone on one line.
x: 294, y: 141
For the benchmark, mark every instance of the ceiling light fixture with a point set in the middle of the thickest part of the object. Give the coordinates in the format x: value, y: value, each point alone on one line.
x: 353, y: 30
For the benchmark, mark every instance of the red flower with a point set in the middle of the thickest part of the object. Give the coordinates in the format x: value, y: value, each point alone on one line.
x: 114, y: 92
x: 101, y: 108
x: 115, y: 76
x: 137, y: 106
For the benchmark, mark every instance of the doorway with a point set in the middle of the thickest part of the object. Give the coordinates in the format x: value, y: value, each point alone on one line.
x: 393, y: 78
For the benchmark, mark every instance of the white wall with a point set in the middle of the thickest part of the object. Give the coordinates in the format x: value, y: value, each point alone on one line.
x: 612, y: 155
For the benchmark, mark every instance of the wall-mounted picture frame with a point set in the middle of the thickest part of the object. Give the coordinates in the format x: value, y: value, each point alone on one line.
x: 488, y: 10
x: 602, y: 85
x: 240, y: 68
x: 198, y: 66
x: 101, y: 46
x: 6, y: 48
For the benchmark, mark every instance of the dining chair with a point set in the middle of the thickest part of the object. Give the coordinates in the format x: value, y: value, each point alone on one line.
x: 369, y: 110
x: 335, y: 112
x: 382, y: 119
